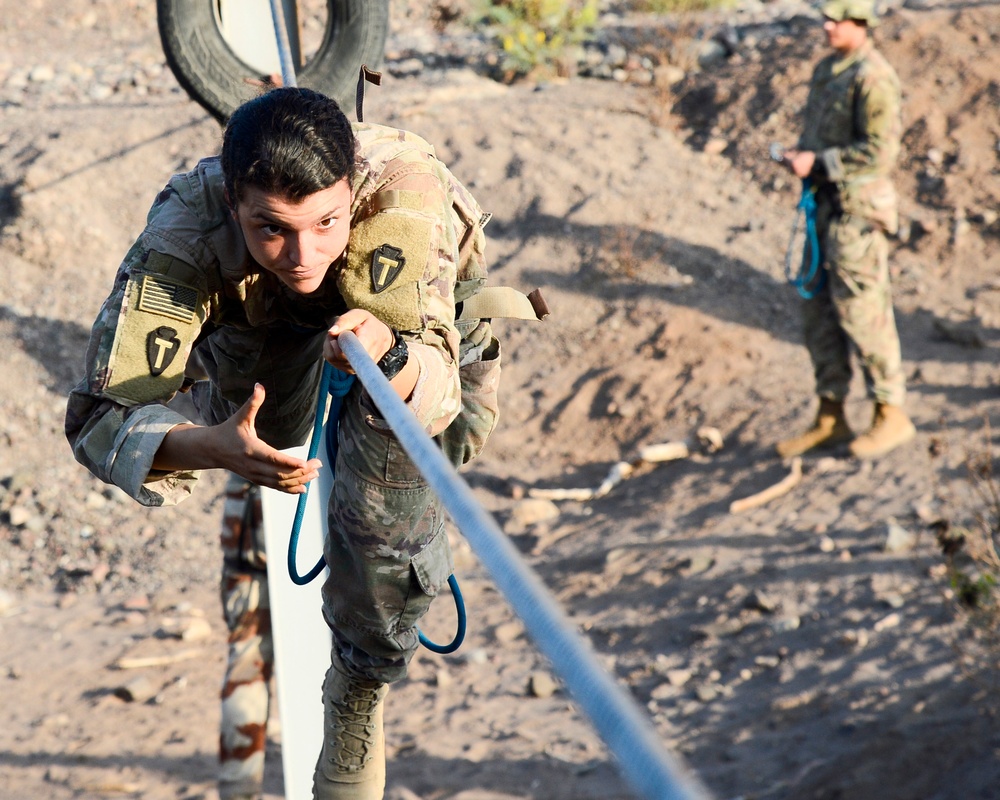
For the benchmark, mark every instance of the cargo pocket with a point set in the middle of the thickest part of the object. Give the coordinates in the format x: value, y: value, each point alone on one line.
x: 387, y: 456
x: 429, y: 572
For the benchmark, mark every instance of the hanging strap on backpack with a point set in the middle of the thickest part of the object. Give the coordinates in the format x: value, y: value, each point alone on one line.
x: 368, y: 75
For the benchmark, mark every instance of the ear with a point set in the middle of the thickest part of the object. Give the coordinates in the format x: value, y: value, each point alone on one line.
x: 229, y: 202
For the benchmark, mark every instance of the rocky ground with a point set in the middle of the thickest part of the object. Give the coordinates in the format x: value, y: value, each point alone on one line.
x: 806, y: 648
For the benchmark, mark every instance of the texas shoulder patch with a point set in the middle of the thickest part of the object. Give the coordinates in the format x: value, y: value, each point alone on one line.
x: 387, y: 264
x: 158, y: 323
x: 162, y: 345
x: 386, y: 260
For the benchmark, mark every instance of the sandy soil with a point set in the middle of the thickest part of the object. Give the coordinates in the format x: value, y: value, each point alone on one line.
x: 785, y: 652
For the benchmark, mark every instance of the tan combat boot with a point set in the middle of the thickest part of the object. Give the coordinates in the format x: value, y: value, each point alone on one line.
x: 352, y: 763
x: 890, y: 428
x: 830, y: 428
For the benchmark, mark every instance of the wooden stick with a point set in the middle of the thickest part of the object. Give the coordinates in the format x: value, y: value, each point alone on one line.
x: 140, y: 662
x: 668, y: 451
x: 784, y: 486
x: 618, y: 473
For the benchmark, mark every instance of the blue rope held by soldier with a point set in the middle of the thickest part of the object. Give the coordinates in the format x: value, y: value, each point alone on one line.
x: 815, y: 272
x: 335, y: 384
x: 811, y: 276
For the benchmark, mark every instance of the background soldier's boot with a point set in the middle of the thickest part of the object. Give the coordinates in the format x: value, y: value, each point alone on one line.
x: 830, y: 428
x: 890, y: 428
x: 352, y: 763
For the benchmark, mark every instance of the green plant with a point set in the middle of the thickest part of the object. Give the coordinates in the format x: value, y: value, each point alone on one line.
x: 538, y: 36
x: 679, y: 6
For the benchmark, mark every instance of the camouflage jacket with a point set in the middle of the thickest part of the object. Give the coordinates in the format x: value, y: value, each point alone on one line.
x: 190, y: 274
x: 853, y: 123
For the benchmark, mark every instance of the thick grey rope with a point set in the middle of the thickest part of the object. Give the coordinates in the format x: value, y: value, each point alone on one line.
x: 627, y: 732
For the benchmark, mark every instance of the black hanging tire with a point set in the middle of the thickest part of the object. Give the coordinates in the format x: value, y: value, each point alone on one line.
x: 208, y: 69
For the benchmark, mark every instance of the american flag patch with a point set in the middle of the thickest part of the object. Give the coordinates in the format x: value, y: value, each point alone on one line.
x: 158, y: 295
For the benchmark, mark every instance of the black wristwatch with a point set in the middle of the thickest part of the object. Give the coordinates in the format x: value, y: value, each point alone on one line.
x: 395, y: 357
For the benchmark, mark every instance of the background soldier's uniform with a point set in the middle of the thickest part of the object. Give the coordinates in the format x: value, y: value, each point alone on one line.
x: 189, y: 285
x: 853, y: 124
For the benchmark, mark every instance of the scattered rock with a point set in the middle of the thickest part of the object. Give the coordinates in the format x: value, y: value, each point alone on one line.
x: 137, y: 690
x: 188, y: 629
x: 714, y: 147
x: 760, y: 601
x: 508, y: 632
x: 533, y: 510
x: 696, y: 564
x: 706, y: 693
x: 443, y: 678
x: 7, y: 602
x: 898, y: 539
x: 890, y: 621
x: 678, y: 677
x: 541, y: 684
x: 786, y: 624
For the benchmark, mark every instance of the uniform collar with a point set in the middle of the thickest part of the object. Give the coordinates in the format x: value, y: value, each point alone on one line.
x: 845, y: 62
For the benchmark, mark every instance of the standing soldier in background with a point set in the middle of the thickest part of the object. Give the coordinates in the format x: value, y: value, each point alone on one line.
x: 849, y: 145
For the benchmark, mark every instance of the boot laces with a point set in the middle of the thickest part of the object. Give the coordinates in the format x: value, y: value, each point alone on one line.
x: 354, y: 726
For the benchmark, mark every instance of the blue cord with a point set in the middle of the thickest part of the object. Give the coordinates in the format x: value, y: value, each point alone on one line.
x: 455, y: 643
x: 337, y: 384
x: 810, y: 249
x: 327, y: 384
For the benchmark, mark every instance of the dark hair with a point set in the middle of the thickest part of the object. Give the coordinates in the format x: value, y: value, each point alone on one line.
x: 291, y: 142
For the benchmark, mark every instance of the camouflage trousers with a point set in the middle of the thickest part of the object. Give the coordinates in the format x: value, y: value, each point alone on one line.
x: 250, y: 658
x: 853, y: 311
x: 387, y: 550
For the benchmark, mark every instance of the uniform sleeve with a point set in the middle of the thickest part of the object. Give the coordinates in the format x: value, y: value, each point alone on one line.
x: 402, y: 267
x: 876, y: 142
x: 116, y: 416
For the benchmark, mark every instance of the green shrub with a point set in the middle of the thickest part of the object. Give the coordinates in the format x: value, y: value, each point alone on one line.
x: 539, y: 36
x: 679, y: 6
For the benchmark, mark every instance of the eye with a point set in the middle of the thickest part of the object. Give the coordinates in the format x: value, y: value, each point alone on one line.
x: 326, y: 224
x: 270, y: 229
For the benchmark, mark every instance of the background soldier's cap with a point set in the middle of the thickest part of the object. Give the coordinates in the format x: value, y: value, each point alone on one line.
x: 839, y: 10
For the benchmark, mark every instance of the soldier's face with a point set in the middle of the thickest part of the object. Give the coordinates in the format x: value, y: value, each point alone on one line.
x: 844, y: 35
x: 297, y: 241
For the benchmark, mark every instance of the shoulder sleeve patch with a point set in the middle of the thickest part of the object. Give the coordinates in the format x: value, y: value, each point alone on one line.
x: 386, y: 260
x: 148, y: 355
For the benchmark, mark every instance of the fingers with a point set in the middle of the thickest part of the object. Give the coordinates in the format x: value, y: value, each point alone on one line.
x: 291, y: 478
x: 374, y: 335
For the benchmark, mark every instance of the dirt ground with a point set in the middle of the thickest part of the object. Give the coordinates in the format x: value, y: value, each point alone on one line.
x: 807, y: 648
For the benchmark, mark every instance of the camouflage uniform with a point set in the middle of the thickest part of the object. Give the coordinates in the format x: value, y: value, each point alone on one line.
x: 188, y: 285
x: 852, y: 122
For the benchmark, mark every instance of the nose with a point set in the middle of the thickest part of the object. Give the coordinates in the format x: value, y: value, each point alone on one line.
x: 300, y: 249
